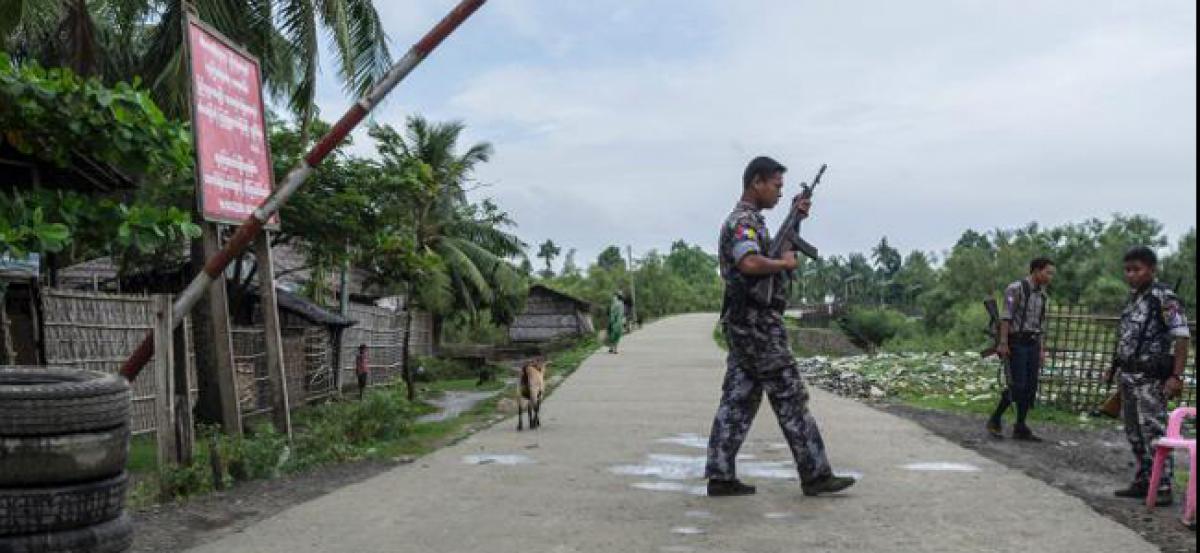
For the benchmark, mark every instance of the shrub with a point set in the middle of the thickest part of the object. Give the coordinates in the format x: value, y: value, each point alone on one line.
x: 871, y: 327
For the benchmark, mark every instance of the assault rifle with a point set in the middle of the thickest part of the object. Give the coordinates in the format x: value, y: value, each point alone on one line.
x: 1004, y: 375
x: 788, y: 239
x: 993, y: 327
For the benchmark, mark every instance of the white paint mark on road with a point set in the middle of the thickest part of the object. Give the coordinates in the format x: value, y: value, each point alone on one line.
x: 777, y: 516
x: 688, y: 531
x: 675, y: 487
x: 698, y: 514
x: 694, y: 441
x: 683, y: 467
x: 941, y: 467
x: 508, y: 460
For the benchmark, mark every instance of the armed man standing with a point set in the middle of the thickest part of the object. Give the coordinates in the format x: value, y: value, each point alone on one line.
x: 1152, y: 348
x: 1020, y: 346
x: 760, y: 357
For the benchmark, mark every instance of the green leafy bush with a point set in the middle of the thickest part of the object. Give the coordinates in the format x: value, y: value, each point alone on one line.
x: 871, y: 327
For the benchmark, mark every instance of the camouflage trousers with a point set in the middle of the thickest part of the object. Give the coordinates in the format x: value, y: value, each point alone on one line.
x: 1144, y: 410
x: 745, y: 382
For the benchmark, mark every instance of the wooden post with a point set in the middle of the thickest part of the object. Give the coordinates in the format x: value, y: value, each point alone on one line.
x: 164, y: 382
x: 218, y: 303
x: 184, y: 371
x: 276, y: 372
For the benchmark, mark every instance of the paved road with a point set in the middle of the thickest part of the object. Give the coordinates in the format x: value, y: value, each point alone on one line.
x: 617, y: 464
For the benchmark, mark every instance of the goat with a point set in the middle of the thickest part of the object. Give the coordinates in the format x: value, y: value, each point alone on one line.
x: 531, y: 391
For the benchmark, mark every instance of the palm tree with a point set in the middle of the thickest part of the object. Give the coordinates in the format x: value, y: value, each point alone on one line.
x: 462, y: 251
x: 117, y: 40
x: 548, y: 250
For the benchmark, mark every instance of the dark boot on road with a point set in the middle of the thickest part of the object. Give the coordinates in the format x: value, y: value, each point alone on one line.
x: 729, y: 488
x: 1138, y: 491
x: 826, y: 485
x: 1135, y: 490
x: 995, y: 429
x: 1024, y: 434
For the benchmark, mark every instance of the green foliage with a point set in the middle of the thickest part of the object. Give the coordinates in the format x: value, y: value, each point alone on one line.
x: 683, y: 281
x: 52, y: 113
x: 873, y: 327
x: 117, y: 40
x: 445, y: 369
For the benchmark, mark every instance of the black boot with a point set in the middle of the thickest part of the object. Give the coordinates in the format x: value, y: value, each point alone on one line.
x: 1135, y: 490
x: 1024, y: 434
x: 729, y: 488
x: 995, y: 429
x: 826, y: 485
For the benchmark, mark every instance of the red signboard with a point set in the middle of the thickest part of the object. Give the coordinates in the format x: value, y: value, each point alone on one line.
x: 233, y: 162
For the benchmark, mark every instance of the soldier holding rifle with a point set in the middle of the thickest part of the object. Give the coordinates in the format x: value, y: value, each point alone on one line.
x: 760, y: 357
x: 1020, y: 346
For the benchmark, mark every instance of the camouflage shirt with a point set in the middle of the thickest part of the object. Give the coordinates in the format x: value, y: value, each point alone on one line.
x: 755, y: 332
x: 744, y: 233
x: 1159, y: 325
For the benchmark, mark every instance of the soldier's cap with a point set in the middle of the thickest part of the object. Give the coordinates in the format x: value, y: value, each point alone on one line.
x: 761, y: 166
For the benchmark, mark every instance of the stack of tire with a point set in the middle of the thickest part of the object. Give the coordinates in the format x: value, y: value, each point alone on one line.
x: 64, y: 440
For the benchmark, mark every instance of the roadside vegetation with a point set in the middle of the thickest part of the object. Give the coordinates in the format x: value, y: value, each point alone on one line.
x: 382, y: 427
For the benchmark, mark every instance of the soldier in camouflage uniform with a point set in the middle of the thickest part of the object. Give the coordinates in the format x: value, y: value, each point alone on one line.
x: 760, y: 357
x: 1152, y: 350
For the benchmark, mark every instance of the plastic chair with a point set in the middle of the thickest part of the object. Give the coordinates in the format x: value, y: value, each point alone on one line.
x: 1175, y: 440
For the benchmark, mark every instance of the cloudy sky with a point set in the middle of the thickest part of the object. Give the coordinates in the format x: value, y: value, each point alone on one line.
x: 630, y: 121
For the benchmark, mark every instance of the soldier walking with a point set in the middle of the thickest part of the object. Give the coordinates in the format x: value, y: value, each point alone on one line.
x: 1152, y: 349
x: 760, y: 357
x: 1021, y: 346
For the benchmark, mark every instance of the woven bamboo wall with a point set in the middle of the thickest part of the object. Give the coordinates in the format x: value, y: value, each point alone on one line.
x: 95, y: 331
x: 382, y: 330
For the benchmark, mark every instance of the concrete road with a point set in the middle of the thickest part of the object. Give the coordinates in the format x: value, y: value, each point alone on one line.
x: 617, y: 468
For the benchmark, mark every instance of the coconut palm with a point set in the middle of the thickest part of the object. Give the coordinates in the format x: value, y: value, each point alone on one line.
x: 469, y: 243
x: 117, y: 40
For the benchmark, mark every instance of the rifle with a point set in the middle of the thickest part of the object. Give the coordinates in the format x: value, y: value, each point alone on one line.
x: 993, y: 327
x: 1004, y: 376
x: 788, y: 239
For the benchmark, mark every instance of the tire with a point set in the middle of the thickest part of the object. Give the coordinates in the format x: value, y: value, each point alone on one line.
x: 56, y: 508
x: 51, y: 401
x: 113, y: 536
x: 39, y: 460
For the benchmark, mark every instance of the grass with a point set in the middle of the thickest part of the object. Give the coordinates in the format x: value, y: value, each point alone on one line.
x: 984, y: 406
x: 461, y: 385
x: 381, y: 427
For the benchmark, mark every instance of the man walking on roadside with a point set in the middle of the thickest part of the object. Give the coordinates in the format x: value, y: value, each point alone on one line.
x: 760, y: 357
x: 1021, y: 346
x: 1152, y: 350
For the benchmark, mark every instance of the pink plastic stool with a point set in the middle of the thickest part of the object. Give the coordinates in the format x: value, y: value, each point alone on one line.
x: 1175, y: 440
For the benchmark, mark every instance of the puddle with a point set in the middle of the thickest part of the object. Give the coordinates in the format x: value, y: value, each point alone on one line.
x: 688, y: 531
x: 508, y: 460
x: 941, y: 467
x: 777, y: 516
x: 453, y: 404
x: 684, y: 467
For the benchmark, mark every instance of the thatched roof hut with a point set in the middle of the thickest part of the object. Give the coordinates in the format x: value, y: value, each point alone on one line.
x: 551, y: 315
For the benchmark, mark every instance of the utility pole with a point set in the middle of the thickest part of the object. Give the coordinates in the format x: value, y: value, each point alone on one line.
x: 632, y: 315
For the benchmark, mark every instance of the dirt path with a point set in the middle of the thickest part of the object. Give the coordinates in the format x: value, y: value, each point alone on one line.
x: 1087, y: 464
x: 617, y: 468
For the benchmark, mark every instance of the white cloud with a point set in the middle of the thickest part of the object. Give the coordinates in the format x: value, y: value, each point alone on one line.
x: 933, y: 117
